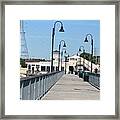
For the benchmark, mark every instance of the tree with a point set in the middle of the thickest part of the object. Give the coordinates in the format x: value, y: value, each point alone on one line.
x: 22, y: 63
x: 87, y: 56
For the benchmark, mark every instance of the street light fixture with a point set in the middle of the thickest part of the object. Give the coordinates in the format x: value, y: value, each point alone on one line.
x: 86, y: 40
x: 64, y: 45
x: 53, y: 35
x: 61, y: 29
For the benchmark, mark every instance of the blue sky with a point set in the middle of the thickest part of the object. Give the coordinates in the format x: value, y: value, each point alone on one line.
x: 38, y: 36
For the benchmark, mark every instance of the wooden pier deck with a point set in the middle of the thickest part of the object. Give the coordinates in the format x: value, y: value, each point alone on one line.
x: 71, y: 87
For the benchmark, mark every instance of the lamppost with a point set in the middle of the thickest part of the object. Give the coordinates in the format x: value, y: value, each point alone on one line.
x: 86, y: 40
x: 53, y: 35
x: 66, y: 56
x: 64, y: 45
x: 62, y: 57
x: 80, y: 49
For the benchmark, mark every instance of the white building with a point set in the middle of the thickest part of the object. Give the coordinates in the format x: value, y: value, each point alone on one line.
x: 42, y: 65
x: 71, y: 65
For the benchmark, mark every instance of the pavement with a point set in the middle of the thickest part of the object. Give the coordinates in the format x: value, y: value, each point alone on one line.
x: 71, y: 87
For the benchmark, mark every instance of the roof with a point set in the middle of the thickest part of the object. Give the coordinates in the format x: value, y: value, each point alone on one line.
x: 37, y: 60
x: 32, y: 60
x: 74, y: 56
x: 56, y: 51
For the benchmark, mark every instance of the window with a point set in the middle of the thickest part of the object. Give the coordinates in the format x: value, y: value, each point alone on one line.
x: 29, y: 67
x: 37, y: 67
x: 48, y: 68
x: 72, y: 58
x: 32, y: 70
x: 42, y: 68
x: 56, y: 68
x: 53, y: 68
x: 62, y: 68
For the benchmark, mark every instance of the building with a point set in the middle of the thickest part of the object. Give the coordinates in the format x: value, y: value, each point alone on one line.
x: 72, y: 64
x: 23, y: 72
x: 37, y: 66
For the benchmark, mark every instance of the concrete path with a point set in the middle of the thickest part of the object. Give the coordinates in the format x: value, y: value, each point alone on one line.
x: 71, y: 87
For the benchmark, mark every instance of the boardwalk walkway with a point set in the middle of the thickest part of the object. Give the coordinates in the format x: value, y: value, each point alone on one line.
x: 71, y: 87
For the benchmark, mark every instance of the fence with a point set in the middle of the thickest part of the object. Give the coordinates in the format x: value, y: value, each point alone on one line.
x: 94, y: 79
x: 35, y: 87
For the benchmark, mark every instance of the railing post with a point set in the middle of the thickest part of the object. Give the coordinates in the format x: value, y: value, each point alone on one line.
x: 29, y: 89
x: 42, y: 86
x: 21, y: 91
x: 47, y: 83
x: 40, y: 94
x: 38, y: 87
x: 34, y: 89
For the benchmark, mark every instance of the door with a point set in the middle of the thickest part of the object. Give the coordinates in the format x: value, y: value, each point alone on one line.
x: 71, y: 69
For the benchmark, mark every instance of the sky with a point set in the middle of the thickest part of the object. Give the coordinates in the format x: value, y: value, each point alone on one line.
x: 38, y: 35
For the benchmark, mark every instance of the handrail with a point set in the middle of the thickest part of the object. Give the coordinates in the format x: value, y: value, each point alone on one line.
x: 41, y: 75
x: 35, y: 87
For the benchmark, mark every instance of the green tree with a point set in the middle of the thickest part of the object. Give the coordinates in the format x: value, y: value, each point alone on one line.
x: 22, y: 63
x: 87, y: 56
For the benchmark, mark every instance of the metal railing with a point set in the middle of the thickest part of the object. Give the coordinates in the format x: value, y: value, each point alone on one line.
x: 35, y: 87
x: 94, y: 79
